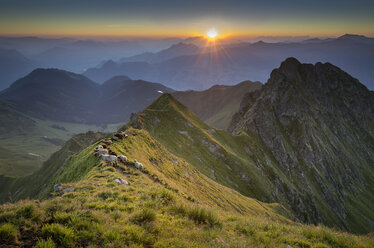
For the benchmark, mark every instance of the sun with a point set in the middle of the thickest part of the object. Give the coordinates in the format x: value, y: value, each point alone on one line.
x: 212, y: 33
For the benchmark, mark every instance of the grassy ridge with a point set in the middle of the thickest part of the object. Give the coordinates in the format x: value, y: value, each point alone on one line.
x: 168, y: 204
x: 245, y: 163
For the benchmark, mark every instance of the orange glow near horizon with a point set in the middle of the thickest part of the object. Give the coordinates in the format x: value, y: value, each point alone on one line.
x: 212, y: 33
x: 117, y: 32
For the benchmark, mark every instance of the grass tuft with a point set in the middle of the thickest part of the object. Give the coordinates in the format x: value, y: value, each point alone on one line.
x: 60, y: 234
x: 8, y: 234
x: 197, y: 214
x: 45, y: 244
x: 144, y: 216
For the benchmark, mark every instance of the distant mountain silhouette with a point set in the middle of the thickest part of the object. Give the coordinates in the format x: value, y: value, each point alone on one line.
x: 64, y: 96
x: 239, y: 62
x: 13, y: 65
x: 54, y: 94
x: 171, y: 52
x: 357, y: 38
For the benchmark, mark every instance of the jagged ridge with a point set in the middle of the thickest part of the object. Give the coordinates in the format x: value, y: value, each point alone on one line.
x: 317, y: 123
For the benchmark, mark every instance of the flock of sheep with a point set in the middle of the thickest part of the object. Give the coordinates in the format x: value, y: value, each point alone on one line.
x: 107, y: 155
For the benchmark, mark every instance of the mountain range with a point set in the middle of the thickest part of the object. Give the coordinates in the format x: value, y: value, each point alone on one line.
x: 297, y: 156
x: 181, y: 64
x: 21, y: 55
x: 64, y: 96
x: 57, y: 95
x: 227, y: 63
x: 175, y: 50
x: 304, y: 140
x: 47, y: 107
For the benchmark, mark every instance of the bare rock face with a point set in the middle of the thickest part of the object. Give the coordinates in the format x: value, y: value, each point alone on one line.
x: 316, y: 123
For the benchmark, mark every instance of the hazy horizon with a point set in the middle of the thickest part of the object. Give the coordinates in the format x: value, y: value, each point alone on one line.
x: 185, y: 19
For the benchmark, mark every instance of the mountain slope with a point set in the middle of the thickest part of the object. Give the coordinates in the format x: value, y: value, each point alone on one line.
x: 53, y: 94
x: 131, y: 95
x: 35, y: 184
x: 13, y: 123
x: 167, y: 204
x: 26, y: 142
x: 334, y: 192
x: 216, y: 106
x: 234, y: 161
x: 13, y: 65
x: 317, y: 123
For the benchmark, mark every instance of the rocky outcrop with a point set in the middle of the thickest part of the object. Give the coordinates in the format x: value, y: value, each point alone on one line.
x: 316, y: 123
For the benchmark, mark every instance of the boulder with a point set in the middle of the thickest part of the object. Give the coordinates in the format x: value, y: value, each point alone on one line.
x: 57, y: 187
x: 121, y: 181
x: 67, y: 190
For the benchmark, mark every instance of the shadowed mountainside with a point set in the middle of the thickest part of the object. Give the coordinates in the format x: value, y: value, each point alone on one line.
x: 304, y: 140
x: 216, y: 105
x: 64, y: 96
x: 316, y: 123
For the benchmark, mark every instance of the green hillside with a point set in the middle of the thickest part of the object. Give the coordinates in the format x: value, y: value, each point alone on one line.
x: 41, y: 111
x: 167, y: 204
x: 245, y: 163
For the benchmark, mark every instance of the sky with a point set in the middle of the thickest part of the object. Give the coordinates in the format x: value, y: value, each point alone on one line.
x: 185, y: 18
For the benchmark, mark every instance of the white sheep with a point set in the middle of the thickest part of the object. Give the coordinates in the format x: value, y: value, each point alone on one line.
x: 122, y: 158
x: 138, y: 165
x: 102, y: 152
x: 109, y: 158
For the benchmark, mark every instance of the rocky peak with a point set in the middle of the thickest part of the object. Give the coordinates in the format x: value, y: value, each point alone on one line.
x: 290, y: 66
x: 317, y: 122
